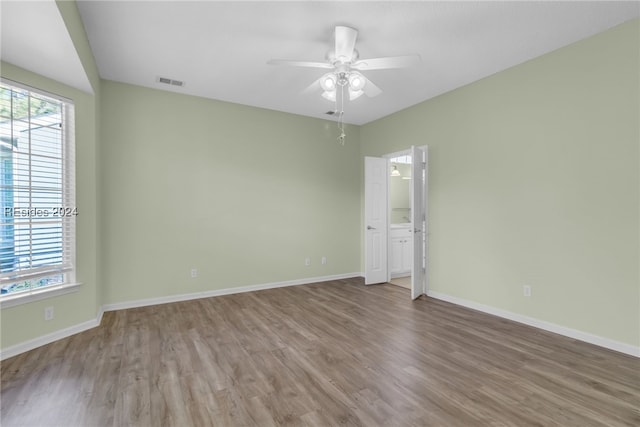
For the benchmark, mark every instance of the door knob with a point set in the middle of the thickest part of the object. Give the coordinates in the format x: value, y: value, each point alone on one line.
x: 370, y: 227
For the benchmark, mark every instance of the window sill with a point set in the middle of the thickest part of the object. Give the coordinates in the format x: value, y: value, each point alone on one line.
x: 37, y: 295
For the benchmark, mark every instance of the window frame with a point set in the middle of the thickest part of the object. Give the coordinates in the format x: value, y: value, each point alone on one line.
x: 70, y: 283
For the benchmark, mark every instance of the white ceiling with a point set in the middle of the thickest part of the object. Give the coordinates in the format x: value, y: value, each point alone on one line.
x: 220, y: 49
x: 33, y: 36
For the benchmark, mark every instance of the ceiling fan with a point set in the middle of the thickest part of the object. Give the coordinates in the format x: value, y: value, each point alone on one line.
x: 346, y: 67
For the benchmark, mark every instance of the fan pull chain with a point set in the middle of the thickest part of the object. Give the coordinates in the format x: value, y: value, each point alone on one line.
x: 342, y: 135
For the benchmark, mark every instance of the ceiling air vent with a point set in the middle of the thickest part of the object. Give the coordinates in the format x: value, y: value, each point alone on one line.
x: 170, y: 81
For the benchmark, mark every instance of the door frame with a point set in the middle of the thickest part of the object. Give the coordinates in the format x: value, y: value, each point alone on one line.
x: 389, y: 156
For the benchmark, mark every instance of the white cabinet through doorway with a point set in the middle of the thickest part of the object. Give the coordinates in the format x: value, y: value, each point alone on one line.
x: 401, y: 250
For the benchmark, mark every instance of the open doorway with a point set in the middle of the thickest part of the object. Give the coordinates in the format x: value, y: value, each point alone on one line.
x: 395, y: 243
x: 400, y: 225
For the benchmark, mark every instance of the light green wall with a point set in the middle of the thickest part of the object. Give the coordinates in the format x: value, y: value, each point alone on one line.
x: 240, y: 193
x: 75, y: 27
x: 73, y: 21
x: 534, y: 180
x: 24, y: 322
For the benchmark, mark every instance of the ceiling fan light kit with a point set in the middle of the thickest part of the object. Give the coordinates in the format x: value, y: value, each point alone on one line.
x: 330, y: 96
x: 328, y: 82
x: 345, y: 66
x: 356, y: 81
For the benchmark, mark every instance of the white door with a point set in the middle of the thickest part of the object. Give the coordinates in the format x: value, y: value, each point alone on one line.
x: 407, y: 258
x: 418, y: 219
x: 396, y: 257
x: 376, y: 171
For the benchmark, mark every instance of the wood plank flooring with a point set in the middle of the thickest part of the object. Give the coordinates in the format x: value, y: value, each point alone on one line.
x: 403, y: 282
x: 336, y: 353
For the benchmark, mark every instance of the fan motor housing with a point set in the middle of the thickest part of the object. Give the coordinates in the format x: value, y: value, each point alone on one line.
x: 331, y: 57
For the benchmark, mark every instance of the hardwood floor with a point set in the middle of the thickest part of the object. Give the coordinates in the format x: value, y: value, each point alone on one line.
x: 403, y: 282
x: 336, y: 353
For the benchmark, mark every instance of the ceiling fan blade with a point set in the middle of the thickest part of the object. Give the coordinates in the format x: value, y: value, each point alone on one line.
x: 370, y: 89
x: 313, y: 87
x: 345, y: 43
x: 299, y: 63
x: 388, y: 62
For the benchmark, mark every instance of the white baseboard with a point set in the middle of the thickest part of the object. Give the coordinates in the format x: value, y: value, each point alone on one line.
x: 14, y: 350
x: 400, y: 274
x: 551, y: 327
x: 541, y: 324
x: 99, y: 316
x: 226, y: 291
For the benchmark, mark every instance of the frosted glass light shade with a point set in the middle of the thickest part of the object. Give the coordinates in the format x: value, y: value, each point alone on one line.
x: 328, y: 82
x: 356, y: 81
x: 331, y: 96
x: 354, y: 94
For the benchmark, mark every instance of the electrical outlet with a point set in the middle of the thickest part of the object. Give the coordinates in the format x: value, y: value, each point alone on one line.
x: 324, y: 260
x: 194, y: 273
x: 48, y: 313
x: 527, y: 290
x: 307, y: 261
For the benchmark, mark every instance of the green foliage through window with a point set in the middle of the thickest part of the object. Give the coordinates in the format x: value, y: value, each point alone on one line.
x: 18, y: 101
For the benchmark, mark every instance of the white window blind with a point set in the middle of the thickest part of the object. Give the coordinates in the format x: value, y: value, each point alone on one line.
x: 37, y: 190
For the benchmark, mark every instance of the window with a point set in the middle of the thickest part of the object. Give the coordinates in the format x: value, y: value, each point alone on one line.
x: 37, y: 192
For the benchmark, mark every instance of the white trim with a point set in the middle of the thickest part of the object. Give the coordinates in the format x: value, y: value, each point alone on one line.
x: 14, y: 350
x: 10, y: 300
x: 66, y: 222
x: 99, y: 316
x: 22, y: 347
x: 400, y: 153
x: 227, y: 291
x: 36, y: 89
x: 541, y: 324
x: 72, y: 330
x: 397, y: 274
